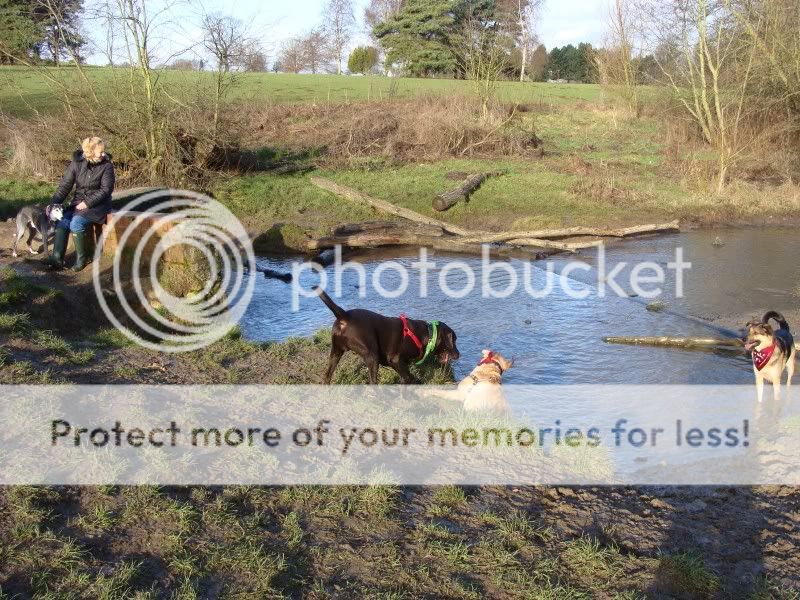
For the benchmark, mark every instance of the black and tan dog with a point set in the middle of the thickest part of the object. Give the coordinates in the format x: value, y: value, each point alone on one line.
x: 388, y: 341
x: 773, y: 351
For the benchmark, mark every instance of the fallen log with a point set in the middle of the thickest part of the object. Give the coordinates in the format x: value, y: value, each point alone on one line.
x: 446, y: 200
x: 385, y: 227
x: 383, y: 205
x: 571, y: 247
x: 401, y: 238
x: 567, y: 232
x: 676, y: 342
x: 469, y: 241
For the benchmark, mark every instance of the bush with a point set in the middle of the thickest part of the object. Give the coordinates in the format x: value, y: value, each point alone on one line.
x: 362, y: 59
x: 421, y: 128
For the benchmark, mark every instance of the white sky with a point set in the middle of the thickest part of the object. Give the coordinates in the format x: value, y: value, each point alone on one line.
x: 560, y: 23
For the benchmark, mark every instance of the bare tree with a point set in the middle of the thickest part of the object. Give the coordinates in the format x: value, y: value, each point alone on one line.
x: 709, y: 72
x: 771, y: 26
x: 314, y: 48
x: 290, y: 57
x: 617, y: 64
x: 482, y: 53
x: 378, y: 11
x: 526, y: 11
x: 255, y: 61
x: 338, y: 25
x: 225, y: 39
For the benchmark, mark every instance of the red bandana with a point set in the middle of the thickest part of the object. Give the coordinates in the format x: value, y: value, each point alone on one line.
x: 761, y: 357
x: 489, y: 359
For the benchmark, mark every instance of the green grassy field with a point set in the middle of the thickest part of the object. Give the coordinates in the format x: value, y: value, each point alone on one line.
x: 24, y: 90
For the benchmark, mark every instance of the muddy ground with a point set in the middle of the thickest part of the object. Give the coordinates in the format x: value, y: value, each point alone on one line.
x: 344, y: 542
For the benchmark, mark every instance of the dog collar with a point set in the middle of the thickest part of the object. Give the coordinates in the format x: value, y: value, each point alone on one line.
x: 490, y: 359
x: 761, y: 357
x: 433, y: 329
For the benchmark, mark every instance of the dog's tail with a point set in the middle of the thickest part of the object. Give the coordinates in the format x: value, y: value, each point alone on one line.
x: 778, y: 319
x: 337, y: 310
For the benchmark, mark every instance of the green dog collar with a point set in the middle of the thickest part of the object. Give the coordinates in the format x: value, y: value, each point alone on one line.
x: 434, y: 325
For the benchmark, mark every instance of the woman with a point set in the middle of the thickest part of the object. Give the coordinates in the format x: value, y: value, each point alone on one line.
x: 91, y: 172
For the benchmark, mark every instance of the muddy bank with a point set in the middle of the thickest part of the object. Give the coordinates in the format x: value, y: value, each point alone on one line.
x: 334, y: 542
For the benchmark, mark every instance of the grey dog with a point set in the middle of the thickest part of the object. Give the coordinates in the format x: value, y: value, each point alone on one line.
x: 33, y: 219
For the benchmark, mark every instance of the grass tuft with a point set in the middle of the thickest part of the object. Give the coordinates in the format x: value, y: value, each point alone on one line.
x: 686, y: 572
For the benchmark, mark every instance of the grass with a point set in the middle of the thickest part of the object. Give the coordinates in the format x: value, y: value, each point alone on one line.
x: 16, y: 290
x: 16, y: 194
x: 600, y: 170
x: 688, y: 574
x: 22, y: 90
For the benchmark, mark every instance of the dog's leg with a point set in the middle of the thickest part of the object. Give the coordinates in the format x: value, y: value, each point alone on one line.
x: 402, y: 370
x: 17, y: 238
x: 776, y: 389
x: 31, y: 235
x: 760, y: 387
x: 333, y: 362
x: 790, y: 369
x: 372, y: 367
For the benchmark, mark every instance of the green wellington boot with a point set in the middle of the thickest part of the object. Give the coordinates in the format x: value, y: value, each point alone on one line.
x: 79, y: 239
x: 56, y: 259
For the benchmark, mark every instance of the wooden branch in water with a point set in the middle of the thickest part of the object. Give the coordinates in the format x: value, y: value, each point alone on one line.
x: 676, y: 342
x: 272, y: 274
x: 566, y: 232
x: 383, y: 205
x: 445, y: 200
x: 382, y: 239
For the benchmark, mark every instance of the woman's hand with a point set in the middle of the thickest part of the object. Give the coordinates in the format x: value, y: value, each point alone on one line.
x: 81, y: 206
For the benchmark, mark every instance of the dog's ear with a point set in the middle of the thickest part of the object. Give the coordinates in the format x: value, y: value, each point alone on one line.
x: 486, y: 352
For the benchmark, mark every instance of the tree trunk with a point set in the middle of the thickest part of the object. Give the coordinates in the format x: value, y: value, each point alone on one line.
x: 383, y: 205
x: 452, y: 197
x: 382, y: 239
x: 677, y: 342
x: 568, y: 232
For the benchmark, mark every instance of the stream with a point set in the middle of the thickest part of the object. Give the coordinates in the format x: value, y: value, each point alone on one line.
x: 558, y: 339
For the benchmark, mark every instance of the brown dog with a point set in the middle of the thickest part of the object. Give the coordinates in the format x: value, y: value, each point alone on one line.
x: 388, y: 341
x: 773, y: 350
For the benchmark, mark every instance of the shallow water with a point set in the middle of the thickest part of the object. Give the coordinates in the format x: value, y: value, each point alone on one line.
x: 558, y: 339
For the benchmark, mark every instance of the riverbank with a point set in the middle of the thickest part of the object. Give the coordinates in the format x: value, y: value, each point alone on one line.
x: 579, y: 163
x: 338, y: 542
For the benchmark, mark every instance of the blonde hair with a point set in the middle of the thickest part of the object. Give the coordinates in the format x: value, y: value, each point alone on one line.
x: 93, y: 149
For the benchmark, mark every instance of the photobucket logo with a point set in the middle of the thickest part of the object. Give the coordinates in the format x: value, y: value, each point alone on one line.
x: 458, y: 279
x: 179, y: 277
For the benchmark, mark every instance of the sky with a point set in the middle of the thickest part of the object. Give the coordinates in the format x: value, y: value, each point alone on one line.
x: 560, y: 22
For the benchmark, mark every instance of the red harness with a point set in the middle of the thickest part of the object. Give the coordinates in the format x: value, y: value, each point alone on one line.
x: 407, y: 332
x: 489, y: 359
x: 761, y: 357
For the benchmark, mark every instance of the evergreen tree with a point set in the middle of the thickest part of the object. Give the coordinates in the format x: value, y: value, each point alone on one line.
x: 40, y: 30
x: 362, y: 59
x: 19, y: 34
x: 417, y: 38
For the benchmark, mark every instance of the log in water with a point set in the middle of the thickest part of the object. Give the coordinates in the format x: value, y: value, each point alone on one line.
x: 676, y: 342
